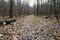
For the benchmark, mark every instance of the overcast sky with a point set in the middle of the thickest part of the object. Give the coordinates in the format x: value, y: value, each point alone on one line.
x: 6, y: 0
x: 30, y: 2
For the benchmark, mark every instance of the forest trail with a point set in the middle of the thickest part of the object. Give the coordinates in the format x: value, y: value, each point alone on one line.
x: 32, y: 28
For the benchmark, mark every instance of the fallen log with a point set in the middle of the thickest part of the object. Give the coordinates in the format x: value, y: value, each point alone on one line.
x: 7, y: 21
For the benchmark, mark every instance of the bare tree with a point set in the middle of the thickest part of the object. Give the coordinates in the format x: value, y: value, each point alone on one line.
x: 3, y: 9
x: 37, y: 7
x: 19, y: 7
x: 55, y: 10
x: 10, y: 14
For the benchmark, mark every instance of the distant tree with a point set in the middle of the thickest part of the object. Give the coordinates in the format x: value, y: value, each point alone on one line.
x: 3, y: 7
x: 0, y: 8
x: 25, y: 8
x: 19, y: 7
x: 38, y: 7
x: 35, y: 10
x: 11, y: 5
x: 55, y: 10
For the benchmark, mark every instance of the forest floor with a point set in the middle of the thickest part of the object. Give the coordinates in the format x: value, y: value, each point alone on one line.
x: 31, y: 28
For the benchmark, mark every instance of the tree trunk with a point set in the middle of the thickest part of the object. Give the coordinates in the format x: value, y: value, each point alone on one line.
x: 10, y: 14
x: 55, y: 10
